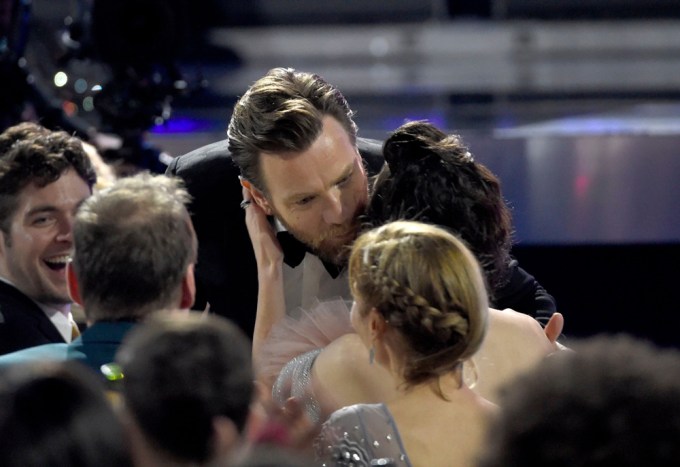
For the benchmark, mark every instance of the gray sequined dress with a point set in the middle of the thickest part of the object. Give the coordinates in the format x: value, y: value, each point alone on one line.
x: 361, y: 435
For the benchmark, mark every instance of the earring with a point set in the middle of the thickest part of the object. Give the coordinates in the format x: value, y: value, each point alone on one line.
x: 371, y: 355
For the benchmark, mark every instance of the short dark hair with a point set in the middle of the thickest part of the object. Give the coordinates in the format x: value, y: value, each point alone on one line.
x: 180, y: 373
x: 56, y: 413
x: 30, y: 153
x: 614, y: 401
x: 133, y: 244
x: 283, y: 112
x: 431, y: 177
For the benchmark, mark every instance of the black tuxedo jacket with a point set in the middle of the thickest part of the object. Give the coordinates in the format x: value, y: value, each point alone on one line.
x: 23, y: 323
x: 226, y: 272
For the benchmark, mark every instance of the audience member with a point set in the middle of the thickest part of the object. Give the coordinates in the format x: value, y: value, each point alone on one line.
x: 55, y: 414
x: 134, y: 254
x: 421, y: 308
x: 614, y: 401
x: 292, y: 139
x: 44, y: 176
x: 187, y: 386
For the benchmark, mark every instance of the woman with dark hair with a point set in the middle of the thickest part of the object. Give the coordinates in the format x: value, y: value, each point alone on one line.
x: 57, y: 414
x: 431, y: 177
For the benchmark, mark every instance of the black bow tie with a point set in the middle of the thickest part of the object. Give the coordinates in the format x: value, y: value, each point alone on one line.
x: 294, y: 252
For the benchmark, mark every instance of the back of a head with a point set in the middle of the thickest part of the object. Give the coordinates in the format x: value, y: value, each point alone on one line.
x: 181, y: 372
x: 133, y: 244
x: 282, y: 112
x: 30, y: 153
x: 615, y: 401
x: 428, y: 286
x: 431, y: 177
x: 56, y: 414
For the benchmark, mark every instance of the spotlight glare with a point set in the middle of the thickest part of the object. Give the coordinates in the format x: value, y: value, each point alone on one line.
x: 88, y: 104
x: 60, y: 79
x: 80, y: 85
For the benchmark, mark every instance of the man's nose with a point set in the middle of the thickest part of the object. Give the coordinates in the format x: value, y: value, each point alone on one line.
x: 65, y: 233
x: 335, y: 211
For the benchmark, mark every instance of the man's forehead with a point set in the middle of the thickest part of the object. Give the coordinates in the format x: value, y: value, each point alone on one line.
x: 68, y: 188
x: 327, y: 160
x: 288, y: 177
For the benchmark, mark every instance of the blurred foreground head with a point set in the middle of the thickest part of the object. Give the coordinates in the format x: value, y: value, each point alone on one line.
x: 56, y: 414
x: 188, y: 385
x: 614, y: 401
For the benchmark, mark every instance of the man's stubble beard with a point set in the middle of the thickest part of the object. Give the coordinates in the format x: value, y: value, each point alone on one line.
x: 333, y: 253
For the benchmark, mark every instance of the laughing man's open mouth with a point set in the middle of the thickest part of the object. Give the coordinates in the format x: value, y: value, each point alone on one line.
x: 57, y: 263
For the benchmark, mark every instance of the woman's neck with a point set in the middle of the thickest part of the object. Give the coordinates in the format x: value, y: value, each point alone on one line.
x: 443, y: 386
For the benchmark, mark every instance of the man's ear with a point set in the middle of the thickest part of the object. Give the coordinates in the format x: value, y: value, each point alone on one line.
x: 188, y: 289
x: 257, y: 196
x: 72, y: 284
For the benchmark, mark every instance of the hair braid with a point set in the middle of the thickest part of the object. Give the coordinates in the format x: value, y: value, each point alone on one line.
x: 428, y: 287
x: 407, y: 309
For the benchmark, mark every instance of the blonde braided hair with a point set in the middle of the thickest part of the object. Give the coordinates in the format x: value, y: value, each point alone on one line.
x: 428, y: 287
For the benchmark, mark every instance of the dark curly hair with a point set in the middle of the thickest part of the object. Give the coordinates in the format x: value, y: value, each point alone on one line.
x: 30, y: 153
x: 431, y: 177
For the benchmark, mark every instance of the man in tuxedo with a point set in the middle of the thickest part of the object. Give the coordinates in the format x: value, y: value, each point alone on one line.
x: 44, y: 176
x: 134, y: 255
x: 294, y: 144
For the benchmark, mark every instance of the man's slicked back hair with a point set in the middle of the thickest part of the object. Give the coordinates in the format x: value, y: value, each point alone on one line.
x: 283, y: 113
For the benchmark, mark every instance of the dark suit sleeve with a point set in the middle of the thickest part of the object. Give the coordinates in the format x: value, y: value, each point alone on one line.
x: 371, y: 153
x: 226, y: 272
x: 22, y: 323
x: 523, y: 293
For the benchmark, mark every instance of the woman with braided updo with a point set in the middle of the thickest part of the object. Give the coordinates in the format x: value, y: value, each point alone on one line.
x: 421, y: 309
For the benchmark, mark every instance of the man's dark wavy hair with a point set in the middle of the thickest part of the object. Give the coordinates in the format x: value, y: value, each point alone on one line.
x: 431, y: 177
x: 30, y: 153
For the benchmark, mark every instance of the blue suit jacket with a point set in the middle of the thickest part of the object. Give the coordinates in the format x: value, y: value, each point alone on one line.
x: 96, y: 346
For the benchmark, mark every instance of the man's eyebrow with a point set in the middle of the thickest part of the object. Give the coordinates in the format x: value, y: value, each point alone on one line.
x: 345, y: 173
x: 45, y: 208
x: 298, y: 196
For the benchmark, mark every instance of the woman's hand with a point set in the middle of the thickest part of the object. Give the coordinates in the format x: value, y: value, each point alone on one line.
x: 268, y: 253
x: 271, y: 304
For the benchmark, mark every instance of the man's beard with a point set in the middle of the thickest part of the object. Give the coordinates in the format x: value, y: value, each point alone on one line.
x: 333, y: 245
